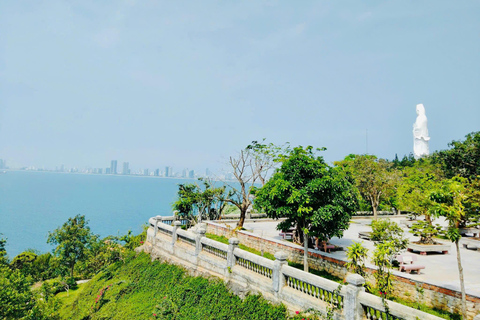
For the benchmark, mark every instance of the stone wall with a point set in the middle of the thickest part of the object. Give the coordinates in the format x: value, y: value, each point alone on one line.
x: 433, y: 296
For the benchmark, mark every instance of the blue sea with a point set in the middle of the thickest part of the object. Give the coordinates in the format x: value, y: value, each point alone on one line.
x: 34, y: 203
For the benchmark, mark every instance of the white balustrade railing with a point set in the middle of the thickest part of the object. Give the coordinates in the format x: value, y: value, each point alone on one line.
x: 253, y: 262
x: 350, y: 300
x: 214, y: 247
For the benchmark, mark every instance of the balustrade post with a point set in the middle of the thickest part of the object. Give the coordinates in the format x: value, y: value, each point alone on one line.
x: 278, y: 278
x: 155, y: 229
x: 352, y: 308
x: 201, y: 230
x: 176, y: 225
x: 232, y: 244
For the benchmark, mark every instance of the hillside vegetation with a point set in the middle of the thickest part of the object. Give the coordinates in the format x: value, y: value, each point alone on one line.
x: 141, y: 289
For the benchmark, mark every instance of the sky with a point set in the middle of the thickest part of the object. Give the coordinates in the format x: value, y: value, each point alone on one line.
x: 189, y: 83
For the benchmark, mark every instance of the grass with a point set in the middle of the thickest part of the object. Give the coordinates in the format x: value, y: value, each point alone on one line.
x: 434, y: 311
x: 142, y: 289
x: 224, y: 239
x: 71, y: 295
x: 320, y: 273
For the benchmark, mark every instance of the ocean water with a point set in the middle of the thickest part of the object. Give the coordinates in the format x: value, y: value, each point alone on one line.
x: 34, y: 203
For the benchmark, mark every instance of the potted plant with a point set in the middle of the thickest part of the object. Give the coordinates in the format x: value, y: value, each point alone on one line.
x: 427, y: 232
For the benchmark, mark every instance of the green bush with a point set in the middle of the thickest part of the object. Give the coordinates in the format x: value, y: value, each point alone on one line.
x: 141, y: 288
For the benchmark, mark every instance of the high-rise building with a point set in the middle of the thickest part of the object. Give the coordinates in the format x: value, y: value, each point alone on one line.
x: 125, y: 170
x: 2, y: 164
x: 185, y: 173
x: 157, y: 172
x: 168, y: 171
x: 191, y: 174
x: 145, y: 172
x: 107, y: 170
x: 113, y: 167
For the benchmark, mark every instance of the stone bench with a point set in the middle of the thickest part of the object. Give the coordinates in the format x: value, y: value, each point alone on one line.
x: 365, y: 235
x: 411, y: 267
x: 407, y: 264
x: 284, y: 235
x: 470, y: 246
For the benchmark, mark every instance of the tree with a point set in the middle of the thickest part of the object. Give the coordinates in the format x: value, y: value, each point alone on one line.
x: 462, y: 159
x: 265, y: 157
x: 310, y: 194
x: 356, y: 255
x: 382, y: 259
x: 385, y: 230
x: 3, y: 252
x: 449, y: 201
x: 251, y: 166
x: 73, y: 240
x: 200, y: 202
x: 416, y: 183
x: 24, y: 262
x: 16, y: 298
x: 374, y: 178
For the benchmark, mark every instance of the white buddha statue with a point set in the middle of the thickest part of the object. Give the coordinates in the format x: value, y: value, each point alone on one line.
x: 420, y: 134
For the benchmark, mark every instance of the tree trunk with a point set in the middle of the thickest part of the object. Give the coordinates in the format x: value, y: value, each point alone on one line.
x: 305, y: 252
x: 243, y: 211
x: 462, y: 282
x: 428, y: 218
x: 374, y: 211
x: 71, y: 270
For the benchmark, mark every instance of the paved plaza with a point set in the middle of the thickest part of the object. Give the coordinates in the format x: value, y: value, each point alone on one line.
x: 440, y: 269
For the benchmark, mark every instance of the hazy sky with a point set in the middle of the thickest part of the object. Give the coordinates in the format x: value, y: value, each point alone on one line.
x: 188, y: 83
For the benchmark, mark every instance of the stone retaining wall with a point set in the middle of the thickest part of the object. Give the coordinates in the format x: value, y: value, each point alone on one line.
x: 433, y: 296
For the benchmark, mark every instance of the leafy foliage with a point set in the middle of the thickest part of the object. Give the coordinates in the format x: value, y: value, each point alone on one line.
x: 72, y: 240
x: 458, y: 201
x: 16, y: 299
x: 463, y: 159
x: 141, y: 288
x: 309, y: 194
x: 375, y: 178
x: 416, y: 183
x: 356, y: 255
x: 382, y: 259
x: 386, y: 230
x: 450, y: 201
x: 3, y: 252
x: 197, y: 202
x: 426, y: 231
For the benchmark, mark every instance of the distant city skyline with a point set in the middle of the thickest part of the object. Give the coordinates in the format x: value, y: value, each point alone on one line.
x: 113, y: 170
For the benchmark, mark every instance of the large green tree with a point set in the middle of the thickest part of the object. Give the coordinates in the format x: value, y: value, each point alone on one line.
x: 375, y: 178
x: 413, y: 192
x: 310, y: 194
x: 458, y: 200
x: 73, y: 240
x: 463, y: 158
